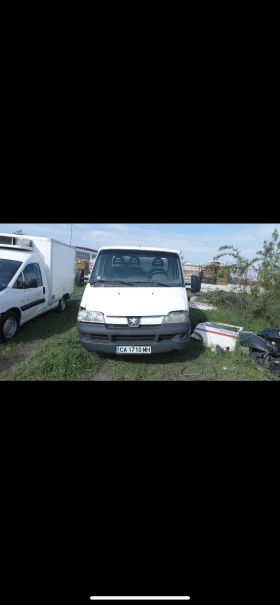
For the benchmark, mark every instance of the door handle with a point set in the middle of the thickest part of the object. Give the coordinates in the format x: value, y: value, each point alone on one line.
x: 44, y: 290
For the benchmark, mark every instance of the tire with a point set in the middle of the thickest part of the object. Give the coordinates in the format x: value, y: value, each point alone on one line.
x: 79, y: 279
x: 275, y: 367
x: 62, y: 306
x: 10, y: 324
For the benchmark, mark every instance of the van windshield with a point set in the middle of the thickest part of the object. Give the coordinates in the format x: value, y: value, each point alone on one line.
x: 137, y: 268
x: 8, y: 269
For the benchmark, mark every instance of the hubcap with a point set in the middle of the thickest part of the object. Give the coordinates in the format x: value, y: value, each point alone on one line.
x: 9, y: 327
x: 63, y: 304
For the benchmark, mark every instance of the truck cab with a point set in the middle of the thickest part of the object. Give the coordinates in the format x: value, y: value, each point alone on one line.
x: 23, y: 289
x: 135, y: 302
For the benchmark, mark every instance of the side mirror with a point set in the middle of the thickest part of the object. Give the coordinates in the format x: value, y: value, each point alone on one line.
x: 80, y: 278
x: 195, y: 284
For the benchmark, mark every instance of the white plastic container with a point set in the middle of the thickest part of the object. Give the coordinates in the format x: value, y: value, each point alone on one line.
x: 213, y: 334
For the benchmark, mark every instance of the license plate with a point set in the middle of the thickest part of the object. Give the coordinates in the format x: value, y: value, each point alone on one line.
x: 131, y: 350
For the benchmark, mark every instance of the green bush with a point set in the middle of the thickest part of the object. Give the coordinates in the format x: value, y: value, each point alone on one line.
x: 264, y: 300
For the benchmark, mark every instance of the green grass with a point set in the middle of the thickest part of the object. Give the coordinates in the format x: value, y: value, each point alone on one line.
x: 196, y: 363
x: 47, y: 348
x: 228, y: 317
x: 61, y: 358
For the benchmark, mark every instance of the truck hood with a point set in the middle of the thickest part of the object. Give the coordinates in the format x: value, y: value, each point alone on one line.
x: 126, y: 302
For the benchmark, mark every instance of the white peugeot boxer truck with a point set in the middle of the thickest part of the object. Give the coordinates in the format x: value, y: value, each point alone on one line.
x: 135, y: 302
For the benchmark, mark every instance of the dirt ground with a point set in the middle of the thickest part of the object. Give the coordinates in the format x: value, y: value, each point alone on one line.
x: 8, y: 361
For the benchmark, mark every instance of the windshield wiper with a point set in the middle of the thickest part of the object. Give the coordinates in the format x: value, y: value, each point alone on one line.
x: 151, y: 281
x: 128, y: 283
x: 111, y: 281
x: 120, y: 281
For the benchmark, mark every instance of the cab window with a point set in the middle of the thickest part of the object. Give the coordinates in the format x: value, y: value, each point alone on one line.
x: 32, y: 272
x: 19, y: 283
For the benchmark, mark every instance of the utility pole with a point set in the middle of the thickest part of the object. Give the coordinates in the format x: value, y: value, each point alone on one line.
x: 71, y: 234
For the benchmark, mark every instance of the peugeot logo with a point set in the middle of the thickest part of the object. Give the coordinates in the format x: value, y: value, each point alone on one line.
x: 133, y: 322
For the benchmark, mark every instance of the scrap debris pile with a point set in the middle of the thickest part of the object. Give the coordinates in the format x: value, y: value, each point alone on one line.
x: 263, y: 347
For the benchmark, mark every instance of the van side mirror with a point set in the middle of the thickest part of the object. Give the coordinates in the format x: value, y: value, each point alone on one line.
x: 80, y: 278
x: 195, y: 284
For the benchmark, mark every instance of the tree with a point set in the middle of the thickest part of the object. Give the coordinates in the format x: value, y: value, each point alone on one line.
x: 269, y: 278
x: 264, y: 301
x: 269, y: 269
x: 19, y: 232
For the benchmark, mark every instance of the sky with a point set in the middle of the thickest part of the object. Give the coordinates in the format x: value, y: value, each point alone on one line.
x: 199, y: 243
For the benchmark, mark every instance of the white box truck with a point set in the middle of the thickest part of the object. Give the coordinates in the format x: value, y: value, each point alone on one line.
x: 36, y: 275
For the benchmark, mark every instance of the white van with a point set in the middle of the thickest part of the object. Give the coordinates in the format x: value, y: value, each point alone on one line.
x: 36, y: 275
x: 135, y: 302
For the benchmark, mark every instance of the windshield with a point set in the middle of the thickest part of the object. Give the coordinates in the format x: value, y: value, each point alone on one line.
x: 137, y: 268
x: 8, y: 269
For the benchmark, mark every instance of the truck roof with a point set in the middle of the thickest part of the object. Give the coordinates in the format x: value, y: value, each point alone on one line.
x: 31, y: 238
x: 15, y: 254
x: 144, y: 248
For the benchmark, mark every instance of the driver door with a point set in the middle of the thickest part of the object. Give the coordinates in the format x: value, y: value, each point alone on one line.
x: 34, y: 292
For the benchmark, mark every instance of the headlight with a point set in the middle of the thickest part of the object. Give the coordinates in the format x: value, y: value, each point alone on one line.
x: 176, y: 317
x: 92, y: 316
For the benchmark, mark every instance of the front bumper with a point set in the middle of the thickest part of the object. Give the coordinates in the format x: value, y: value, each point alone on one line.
x: 161, y: 338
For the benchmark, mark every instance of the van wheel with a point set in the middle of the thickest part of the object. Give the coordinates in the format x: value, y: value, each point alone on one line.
x: 62, y: 306
x: 10, y: 323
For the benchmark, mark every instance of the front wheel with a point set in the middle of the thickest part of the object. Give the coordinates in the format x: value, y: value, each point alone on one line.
x: 62, y: 306
x: 10, y: 323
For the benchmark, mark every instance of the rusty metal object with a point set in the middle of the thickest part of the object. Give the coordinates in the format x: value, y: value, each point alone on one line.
x: 84, y: 265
